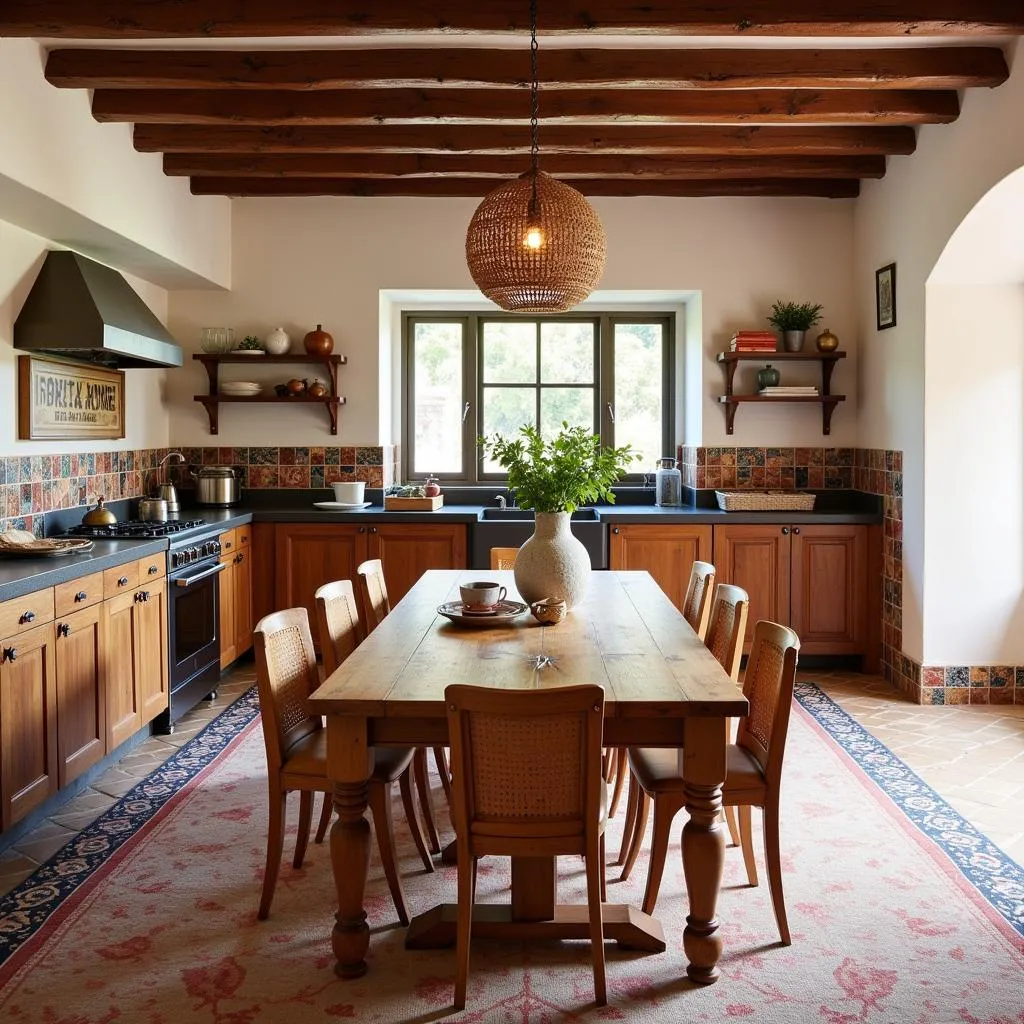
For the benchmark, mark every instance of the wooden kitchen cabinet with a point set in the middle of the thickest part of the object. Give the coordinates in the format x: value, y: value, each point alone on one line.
x: 408, y: 550
x: 242, y: 575
x: 28, y: 720
x: 234, y: 593
x: 666, y: 552
x: 226, y: 610
x: 81, y: 699
x: 135, y: 659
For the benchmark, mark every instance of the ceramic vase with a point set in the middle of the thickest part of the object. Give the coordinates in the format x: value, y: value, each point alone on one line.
x: 827, y: 341
x: 768, y: 377
x: 318, y: 342
x: 277, y: 342
x: 552, y: 563
x: 793, y: 341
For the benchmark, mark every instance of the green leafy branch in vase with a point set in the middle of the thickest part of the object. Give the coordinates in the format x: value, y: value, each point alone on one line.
x: 559, y: 475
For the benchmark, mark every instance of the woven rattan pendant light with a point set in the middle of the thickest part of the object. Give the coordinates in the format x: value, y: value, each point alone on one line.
x: 535, y: 245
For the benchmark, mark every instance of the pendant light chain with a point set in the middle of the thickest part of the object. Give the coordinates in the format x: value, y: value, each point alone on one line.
x: 534, y: 108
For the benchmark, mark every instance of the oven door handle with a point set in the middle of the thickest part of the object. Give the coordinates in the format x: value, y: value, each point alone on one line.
x: 187, y: 581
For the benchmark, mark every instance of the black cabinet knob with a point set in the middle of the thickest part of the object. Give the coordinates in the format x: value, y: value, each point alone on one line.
x: 81, y: 596
x: 373, y: 529
x: 153, y: 570
x: 785, y: 531
x: 615, y: 529
x: 239, y: 558
x: 28, y: 617
x: 10, y: 653
x: 122, y: 581
x: 796, y: 529
x: 63, y: 629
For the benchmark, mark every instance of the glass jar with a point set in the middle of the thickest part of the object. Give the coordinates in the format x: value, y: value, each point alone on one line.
x: 668, y: 483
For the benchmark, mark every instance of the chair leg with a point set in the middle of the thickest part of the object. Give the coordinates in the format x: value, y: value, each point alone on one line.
x: 665, y: 810
x: 729, y: 813
x: 621, y: 770
x: 405, y: 786
x: 463, y: 927
x: 632, y: 802
x: 305, y: 819
x: 604, y: 873
x: 441, y: 760
x: 643, y: 809
x: 384, y: 827
x: 747, y: 842
x: 419, y: 764
x: 773, y: 861
x: 325, y: 817
x: 595, y: 860
x: 275, y: 846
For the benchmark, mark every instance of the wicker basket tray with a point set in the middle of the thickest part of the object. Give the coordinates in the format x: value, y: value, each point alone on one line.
x: 765, y: 501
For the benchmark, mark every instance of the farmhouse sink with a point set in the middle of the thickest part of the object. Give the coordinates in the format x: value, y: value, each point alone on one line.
x: 518, y: 514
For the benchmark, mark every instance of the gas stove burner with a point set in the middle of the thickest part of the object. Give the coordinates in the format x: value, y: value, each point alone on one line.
x: 134, y: 529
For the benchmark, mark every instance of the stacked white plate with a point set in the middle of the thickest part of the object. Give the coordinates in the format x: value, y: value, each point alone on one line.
x: 244, y: 388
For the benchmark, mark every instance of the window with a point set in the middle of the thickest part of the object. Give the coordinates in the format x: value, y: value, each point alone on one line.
x: 471, y: 374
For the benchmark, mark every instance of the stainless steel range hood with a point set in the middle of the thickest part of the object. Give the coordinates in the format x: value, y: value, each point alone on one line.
x: 82, y: 309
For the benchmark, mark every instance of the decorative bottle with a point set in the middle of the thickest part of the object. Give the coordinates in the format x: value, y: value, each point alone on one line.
x: 668, y: 483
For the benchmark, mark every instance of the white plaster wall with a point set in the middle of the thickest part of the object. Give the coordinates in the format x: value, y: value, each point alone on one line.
x: 66, y: 177
x: 146, y: 417
x: 909, y: 216
x: 299, y: 262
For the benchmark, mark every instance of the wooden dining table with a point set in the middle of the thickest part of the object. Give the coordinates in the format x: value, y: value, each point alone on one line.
x: 662, y: 687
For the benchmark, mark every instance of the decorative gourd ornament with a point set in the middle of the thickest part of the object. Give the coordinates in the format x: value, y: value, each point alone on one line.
x: 319, y: 342
x: 827, y: 341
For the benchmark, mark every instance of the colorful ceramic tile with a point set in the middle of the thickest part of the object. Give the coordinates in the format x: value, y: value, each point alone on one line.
x: 263, y: 476
x: 979, y: 675
x: 957, y: 696
x: 935, y: 696
x: 1001, y: 695
x: 932, y: 675
x: 294, y: 476
x: 332, y: 456
x: 263, y: 456
x: 980, y: 695
x: 958, y: 675
x: 316, y: 456
x: 316, y: 476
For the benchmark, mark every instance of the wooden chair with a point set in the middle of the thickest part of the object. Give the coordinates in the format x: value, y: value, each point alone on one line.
x: 526, y: 770
x: 697, y: 603
x: 296, y: 744
x: 503, y: 558
x: 753, y: 765
x: 374, y: 595
x: 725, y: 641
x: 339, y: 627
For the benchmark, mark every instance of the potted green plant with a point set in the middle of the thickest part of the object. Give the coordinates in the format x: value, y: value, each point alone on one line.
x: 251, y: 345
x: 794, y: 320
x: 555, y: 477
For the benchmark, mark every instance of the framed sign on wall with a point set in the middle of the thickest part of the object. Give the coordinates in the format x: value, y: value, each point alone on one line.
x: 63, y: 400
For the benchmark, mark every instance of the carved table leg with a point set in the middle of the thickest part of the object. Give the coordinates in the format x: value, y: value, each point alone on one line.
x: 350, y: 763
x: 703, y: 843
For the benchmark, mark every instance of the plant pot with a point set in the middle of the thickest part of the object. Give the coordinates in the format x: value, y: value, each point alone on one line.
x: 552, y: 563
x: 793, y: 341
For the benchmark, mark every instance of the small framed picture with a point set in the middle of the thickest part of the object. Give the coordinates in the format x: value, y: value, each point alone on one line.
x: 885, y: 297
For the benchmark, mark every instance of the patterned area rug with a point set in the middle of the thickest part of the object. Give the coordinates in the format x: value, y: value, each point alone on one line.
x: 900, y: 912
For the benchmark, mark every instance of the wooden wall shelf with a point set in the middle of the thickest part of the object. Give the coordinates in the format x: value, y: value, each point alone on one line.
x: 213, y: 401
x: 827, y: 401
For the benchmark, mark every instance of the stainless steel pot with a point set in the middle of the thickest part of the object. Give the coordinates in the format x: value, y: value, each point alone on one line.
x: 153, y: 510
x: 216, y: 485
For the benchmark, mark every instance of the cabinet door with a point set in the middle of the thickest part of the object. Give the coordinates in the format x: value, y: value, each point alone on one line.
x: 151, y: 667
x: 242, y: 593
x: 666, y: 552
x: 226, y: 626
x: 28, y: 723
x: 81, y: 729
x: 308, y: 555
x: 829, y: 588
x: 408, y: 550
x: 119, y: 659
x: 756, y: 558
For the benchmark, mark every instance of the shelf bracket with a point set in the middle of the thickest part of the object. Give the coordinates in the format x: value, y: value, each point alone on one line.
x: 827, y: 366
x: 212, y: 410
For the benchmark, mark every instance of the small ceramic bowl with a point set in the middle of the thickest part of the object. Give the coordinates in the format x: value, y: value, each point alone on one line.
x: 549, y: 610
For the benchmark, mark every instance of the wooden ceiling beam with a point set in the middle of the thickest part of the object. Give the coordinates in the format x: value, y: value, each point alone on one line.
x: 368, y: 165
x: 842, y: 188
x: 682, y: 140
x: 468, y: 106
x: 938, y: 68
x: 109, y: 19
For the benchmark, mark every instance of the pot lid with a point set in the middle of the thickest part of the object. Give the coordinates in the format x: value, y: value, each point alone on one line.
x: 216, y: 471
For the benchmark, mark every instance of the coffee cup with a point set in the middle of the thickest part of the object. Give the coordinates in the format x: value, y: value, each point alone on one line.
x: 481, y: 596
x: 349, y: 493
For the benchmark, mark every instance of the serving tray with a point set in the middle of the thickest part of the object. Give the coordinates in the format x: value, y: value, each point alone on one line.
x: 505, y: 612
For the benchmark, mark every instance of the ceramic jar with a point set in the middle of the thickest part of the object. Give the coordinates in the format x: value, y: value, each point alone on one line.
x: 431, y: 489
x: 277, y: 342
x: 827, y: 341
x: 552, y: 563
x: 317, y: 389
x: 768, y: 377
x: 318, y: 342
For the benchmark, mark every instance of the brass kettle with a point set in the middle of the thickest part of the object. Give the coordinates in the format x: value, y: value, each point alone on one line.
x: 99, y: 516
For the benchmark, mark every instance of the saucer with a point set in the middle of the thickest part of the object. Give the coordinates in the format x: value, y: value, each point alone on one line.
x: 503, y: 614
x: 342, y: 506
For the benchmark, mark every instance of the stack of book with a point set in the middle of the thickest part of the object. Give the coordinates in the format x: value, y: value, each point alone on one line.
x: 790, y: 391
x: 753, y: 341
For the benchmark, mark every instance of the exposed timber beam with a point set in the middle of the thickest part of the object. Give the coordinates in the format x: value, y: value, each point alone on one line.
x: 938, y: 68
x: 681, y: 140
x: 842, y: 188
x: 468, y: 106
x: 366, y: 165
x: 108, y: 19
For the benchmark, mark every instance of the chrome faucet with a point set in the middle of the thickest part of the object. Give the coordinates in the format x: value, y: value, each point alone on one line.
x: 500, y: 498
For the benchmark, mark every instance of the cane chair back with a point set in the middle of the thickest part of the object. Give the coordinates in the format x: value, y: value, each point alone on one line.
x: 374, y: 592
x: 503, y: 558
x: 728, y: 624
x: 697, y: 603
x: 337, y: 616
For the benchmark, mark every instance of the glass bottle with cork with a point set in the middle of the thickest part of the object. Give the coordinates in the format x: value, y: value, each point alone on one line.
x: 668, y: 483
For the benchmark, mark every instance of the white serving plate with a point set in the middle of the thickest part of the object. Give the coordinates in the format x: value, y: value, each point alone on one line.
x: 338, y: 506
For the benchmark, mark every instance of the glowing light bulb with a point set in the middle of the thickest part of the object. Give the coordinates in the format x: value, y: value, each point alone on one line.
x: 534, y: 238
